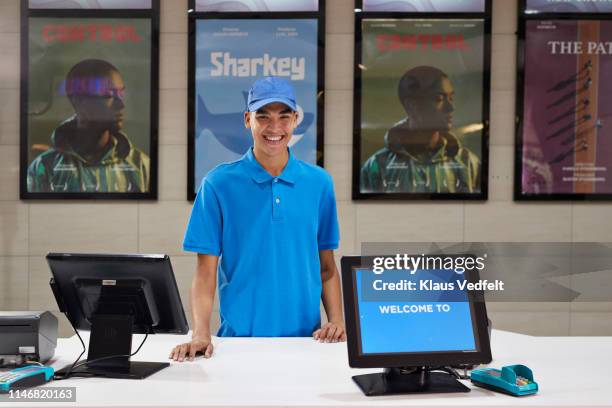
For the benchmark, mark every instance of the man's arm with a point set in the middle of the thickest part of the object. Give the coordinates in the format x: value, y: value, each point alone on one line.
x: 202, y: 299
x: 333, y: 331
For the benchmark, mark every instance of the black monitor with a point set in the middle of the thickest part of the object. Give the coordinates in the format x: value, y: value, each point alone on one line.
x: 412, y: 331
x: 115, y: 296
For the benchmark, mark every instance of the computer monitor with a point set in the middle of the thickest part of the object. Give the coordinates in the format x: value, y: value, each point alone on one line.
x: 114, y: 296
x: 410, y: 330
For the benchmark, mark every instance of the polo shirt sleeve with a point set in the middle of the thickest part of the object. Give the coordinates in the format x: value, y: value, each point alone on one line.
x: 205, y: 228
x: 328, y: 235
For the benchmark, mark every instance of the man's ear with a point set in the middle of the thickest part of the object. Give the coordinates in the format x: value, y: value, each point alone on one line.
x: 247, y: 119
x: 408, y: 105
x: 295, y: 119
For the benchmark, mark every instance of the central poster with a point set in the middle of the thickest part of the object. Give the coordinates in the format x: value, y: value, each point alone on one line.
x: 420, y: 131
x: 230, y: 55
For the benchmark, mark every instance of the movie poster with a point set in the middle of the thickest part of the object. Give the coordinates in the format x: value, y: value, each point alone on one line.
x: 425, y: 6
x: 227, y: 64
x: 88, y: 112
x: 569, y: 6
x: 566, y: 145
x: 421, y: 115
x: 256, y: 5
x: 89, y: 4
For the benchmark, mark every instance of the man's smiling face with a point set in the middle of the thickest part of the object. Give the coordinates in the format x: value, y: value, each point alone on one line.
x: 272, y: 126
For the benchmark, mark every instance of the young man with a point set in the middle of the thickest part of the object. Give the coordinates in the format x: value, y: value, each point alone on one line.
x: 89, y: 151
x: 421, y: 153
x: 267, y: 224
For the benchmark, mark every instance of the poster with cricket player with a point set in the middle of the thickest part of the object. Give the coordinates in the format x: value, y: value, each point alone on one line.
x: 564, y: 143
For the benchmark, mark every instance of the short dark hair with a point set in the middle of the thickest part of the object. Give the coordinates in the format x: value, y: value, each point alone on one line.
x: 87, y: 76
x: 418, y: 80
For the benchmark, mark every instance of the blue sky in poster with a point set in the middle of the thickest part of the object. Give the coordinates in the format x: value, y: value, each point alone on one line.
x: 230, y: 56
x: 410, y: 325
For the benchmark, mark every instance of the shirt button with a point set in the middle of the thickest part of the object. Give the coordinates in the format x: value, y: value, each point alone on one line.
x: 276, y: 180
x: 277, y: 200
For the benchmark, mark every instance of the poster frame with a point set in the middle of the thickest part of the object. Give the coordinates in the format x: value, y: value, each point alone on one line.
x: 357, y: 195
x: 453, y: 14
x: 191, y: 74
x: 154, y: 15
x: 523, y: 17
x: 557, y: 15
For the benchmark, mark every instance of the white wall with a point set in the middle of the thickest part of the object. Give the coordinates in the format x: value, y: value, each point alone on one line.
x: 30, y: 229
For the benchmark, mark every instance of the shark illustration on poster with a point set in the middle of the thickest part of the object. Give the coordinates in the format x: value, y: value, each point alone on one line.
x: 227, y: 128
x: 227, y: 64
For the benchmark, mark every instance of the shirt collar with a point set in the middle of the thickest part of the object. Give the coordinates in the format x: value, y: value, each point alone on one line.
x: 261, y: 175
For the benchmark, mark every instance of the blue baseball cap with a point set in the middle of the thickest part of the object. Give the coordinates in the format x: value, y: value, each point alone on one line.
x: 268, y: 90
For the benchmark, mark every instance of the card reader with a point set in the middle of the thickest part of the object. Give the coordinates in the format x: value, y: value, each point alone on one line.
x: 25, y: 377
x: 516, y: 380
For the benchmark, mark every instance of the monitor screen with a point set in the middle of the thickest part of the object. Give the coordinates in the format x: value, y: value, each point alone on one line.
x: 404, y: 321
x: 409, y: 318
x: 143, y: 286
x: 114, y: 296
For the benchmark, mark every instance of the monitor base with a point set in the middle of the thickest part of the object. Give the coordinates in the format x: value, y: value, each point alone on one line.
x: 136, y: 370
x: 396, y: 381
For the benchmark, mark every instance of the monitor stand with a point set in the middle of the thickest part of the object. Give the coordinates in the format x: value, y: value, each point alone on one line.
x: 408, y: 381
x: 111, y: 335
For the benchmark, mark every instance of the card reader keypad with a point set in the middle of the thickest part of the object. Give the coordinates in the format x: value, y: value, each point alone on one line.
x: 5, y: 377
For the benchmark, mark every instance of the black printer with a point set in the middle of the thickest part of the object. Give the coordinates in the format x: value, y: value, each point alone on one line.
x: 27, y: 336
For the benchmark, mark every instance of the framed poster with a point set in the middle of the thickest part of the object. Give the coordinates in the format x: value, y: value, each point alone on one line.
x: 89, y: 103
x: 256, y: 5
x: 91, y: 4
x: 563, y: 147
x: 421, y: 109
x: 225, y: 64
x: 567, y: 6
x: 423, y: 6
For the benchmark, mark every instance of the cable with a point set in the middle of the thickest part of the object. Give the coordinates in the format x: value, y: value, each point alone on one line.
x: 67, y: 374
x: 34, y: 362
x: 76, y: 363
x: 82, y: 363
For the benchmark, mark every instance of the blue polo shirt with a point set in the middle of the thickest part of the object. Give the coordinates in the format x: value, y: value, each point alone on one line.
x: 268, y: 231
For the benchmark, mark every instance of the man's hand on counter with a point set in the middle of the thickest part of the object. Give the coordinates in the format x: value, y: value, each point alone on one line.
x: 330, y: 333
x: 197, y: 345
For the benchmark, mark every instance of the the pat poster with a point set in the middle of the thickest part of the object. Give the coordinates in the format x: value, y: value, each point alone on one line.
x: 425, y: 6
x: 568, y: 6
x: 256, y: 5
x: 89, y: 131
x: 566, y: 146
x: 421, y: 132
x: 230, y: 55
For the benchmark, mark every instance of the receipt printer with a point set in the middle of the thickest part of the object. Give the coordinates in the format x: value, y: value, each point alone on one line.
x: 27, y: 336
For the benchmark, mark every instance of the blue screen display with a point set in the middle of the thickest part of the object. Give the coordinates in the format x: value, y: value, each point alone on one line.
x: 394, y: 319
